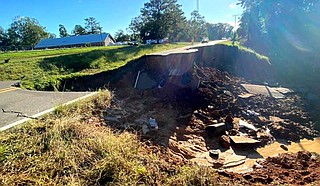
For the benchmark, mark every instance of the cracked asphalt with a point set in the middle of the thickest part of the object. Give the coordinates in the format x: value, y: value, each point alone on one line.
x: 29, y: 103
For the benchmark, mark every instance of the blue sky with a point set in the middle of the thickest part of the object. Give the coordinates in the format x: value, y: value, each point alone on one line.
x: 112, y: 14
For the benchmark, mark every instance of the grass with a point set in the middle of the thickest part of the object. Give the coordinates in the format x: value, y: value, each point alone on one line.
x: 43, y: 69
x: 72, y: 146
x: 245, y: 49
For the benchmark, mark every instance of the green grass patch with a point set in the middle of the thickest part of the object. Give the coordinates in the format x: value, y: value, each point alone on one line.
x: 43, y: 69
x: 72, y: 146
x: 245, y: 49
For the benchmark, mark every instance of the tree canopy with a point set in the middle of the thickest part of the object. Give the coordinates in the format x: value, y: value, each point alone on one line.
x: 23, y: 32
x: 219, y: 30
x: 92, y: 26
x: 63, y: 31
x: 158, y: 19
x: 79, y: 30
x: 121, y: 36
x: 287, y: 31
x: 196, y: 27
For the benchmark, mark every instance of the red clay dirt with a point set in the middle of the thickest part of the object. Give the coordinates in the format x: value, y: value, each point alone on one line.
x: 301, y: 168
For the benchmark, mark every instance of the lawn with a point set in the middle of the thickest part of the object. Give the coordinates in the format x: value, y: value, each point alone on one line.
x: 43, y: 69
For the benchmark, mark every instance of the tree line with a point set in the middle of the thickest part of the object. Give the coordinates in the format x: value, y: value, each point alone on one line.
x: 26, y: 32
x: 91, y: 26
x: 158, y: 19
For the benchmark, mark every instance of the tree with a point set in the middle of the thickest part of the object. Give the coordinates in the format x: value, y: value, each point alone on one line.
x: 219, y: 31
x: 135, y: 27
x: 287, y: 32
x: 92, y: 26
x: 79, y: 30
x: 3, y: 38
x: 52, y: 35
x: 63, y: 31
x: 197, y: 28
x: 25, y: 31
x: 158, y: 19
x: 266, y: 26
x: 121, y: 36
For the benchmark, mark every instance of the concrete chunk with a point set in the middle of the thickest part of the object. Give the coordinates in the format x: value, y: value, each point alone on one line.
x: 216, y: 129
x: 243, y: 140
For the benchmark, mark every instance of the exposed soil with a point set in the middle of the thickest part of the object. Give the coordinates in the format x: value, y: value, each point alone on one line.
x: 295, y: 169
x: 182, y: 114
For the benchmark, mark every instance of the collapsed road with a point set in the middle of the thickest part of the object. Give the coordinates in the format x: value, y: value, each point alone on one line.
x: 203, y: 107
x: 188, y: 112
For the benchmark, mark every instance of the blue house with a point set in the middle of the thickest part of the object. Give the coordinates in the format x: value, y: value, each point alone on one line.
x: 102, y: 39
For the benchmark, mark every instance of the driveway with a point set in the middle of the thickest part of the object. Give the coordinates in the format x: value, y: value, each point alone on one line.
x: 20, y: 105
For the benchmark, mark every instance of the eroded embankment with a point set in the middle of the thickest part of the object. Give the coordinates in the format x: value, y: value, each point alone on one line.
x: 185, y: 93
x: 237, y: 61
x: 232, y: 59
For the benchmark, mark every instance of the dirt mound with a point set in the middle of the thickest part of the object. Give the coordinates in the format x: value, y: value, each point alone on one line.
x: 295, y: 169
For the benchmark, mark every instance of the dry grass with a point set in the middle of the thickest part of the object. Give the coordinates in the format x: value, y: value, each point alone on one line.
x: 72, y: 146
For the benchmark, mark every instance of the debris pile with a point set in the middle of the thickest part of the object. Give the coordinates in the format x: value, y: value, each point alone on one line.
x: 212, y: 126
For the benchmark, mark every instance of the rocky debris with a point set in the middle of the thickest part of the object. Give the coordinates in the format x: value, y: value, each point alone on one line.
x: 190, y: 122
x: 290, y: 168
x: 284, y: 147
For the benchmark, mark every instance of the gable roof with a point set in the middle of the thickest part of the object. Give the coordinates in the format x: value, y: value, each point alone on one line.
x: 73, y: 40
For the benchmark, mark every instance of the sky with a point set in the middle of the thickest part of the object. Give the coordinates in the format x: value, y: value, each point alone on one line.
x: 112, y: 14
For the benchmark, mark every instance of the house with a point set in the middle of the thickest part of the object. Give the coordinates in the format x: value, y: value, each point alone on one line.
x: 102, y: 39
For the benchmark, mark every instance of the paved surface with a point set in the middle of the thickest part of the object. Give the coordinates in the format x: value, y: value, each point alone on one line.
x: 29, y: 103
x: 187, y: 49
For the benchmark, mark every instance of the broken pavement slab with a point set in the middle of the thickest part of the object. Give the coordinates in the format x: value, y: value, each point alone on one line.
x: 256, y: 89
x: 275, y: 92
x: 241, y: 140
x: 247, y: 125
x: 215, y: 129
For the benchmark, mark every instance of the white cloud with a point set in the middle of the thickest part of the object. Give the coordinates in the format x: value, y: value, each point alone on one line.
x: 233, y: 5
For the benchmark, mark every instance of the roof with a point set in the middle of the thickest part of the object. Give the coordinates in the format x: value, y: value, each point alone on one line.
x: 73, y: 40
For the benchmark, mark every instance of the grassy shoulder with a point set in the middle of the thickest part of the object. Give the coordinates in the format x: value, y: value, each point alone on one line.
x: 245, y: 49
x: 43, y: 69
x: 73, y: 146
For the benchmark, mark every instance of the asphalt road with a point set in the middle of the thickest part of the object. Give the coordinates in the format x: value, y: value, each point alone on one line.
x: 187, y: 49
x: 29, y: 103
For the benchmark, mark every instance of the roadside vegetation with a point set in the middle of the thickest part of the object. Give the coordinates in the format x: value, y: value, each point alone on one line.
x: 43, y: 69
x: 73, y: 146
x: 246, y: 50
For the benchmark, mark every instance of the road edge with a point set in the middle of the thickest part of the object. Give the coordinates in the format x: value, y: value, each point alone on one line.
x: 44, y: 112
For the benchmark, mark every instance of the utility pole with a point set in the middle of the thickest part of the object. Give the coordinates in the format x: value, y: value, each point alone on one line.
x: 235, y: 30
x: 235, y: 22
x: 198, y: 6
